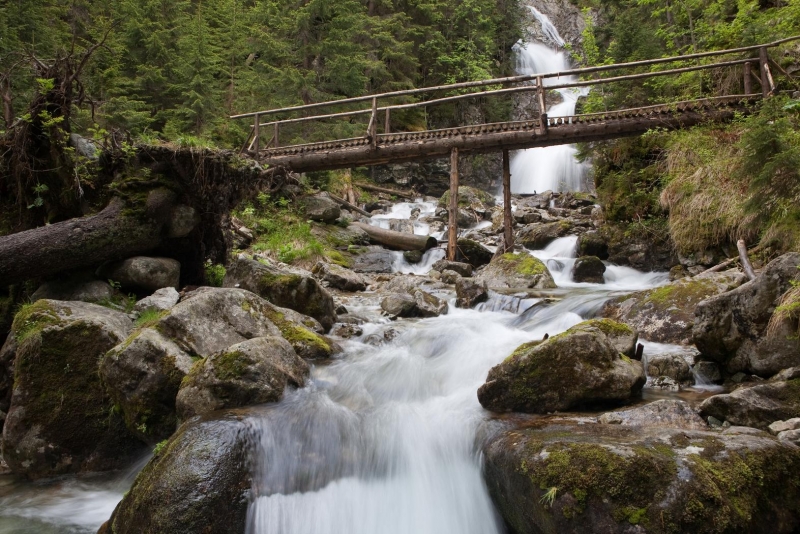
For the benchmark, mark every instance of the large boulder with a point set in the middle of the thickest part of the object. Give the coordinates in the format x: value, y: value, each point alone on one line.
x: 757, y: 406
x: 61, y: 420
x: 643, y: 251
x: 470, y: 292
x: 588, y: 269
x: 142, y: 273
x: 143, y: 376
x: 516, y: 271
x: 665, y: 413
x: 162, y: 300
x: 730, y: 328
x: 198, y: 481
x: 471, y: 252
x: 464, y: 269
x: 255, y: 371
x: 548, y: 476
x: 666, y: 314
x: 585, y: 366
x: 288, y: 288
x: 537, y: 236
x: 471, y: 199
x: 375, y: 260
x: 81, y: 288
x: 339, y: 277
x: 592, y: 244
x: 322, y: 208
x: 415, y: 303
x: 672, y: 366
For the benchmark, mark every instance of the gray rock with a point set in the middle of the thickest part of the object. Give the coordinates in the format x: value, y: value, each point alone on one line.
x: 662, y: 413
x: 516, y: 271
x: 199, y: 481
x: 787, y: 374
x: 450, y: 277
x: 790, y: 436
x: 347, y: 331
x: 592, y: 244
x: 781, y: 426
x: 322, y: 208
x: 84, y: 147
x: 730, y: 327
x: 428, y: 305
x: 143, y: 376
x: 183, y: 220
x: 588, y: 269
x: 464, y: 269
x: 708, y: 372
x: 538, y: 236
x: 289, y: 288
x: 162, y: 300
x: 757, y: 406
x: 673, y: 366
x: 582, y: 367
x: 375, y: 260
x: 664, y: 383
x: 472, y: 252
x: 339, y: 277
x: 470, y: 292
x: 413, y: 256
x: 255, y: 371
x: 61, y: 420
x: 142, y: 273
x: 79, y: 289
x: 399, y: 305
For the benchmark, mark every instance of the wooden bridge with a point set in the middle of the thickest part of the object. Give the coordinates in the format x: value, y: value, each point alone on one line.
x: 748, y: 65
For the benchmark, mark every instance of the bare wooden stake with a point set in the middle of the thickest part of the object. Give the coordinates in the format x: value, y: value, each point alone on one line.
x: 373, y: 124
x: 508, y: 221
x: 763, y: 60
x: 256, y: 131
x: 452, y: 234
x: 386, y: 122
x: 276, y: 135
x: 746, y: 265
x: 748, y: 82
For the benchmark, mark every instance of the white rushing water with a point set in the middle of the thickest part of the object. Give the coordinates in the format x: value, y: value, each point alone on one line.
x: 549, y: 168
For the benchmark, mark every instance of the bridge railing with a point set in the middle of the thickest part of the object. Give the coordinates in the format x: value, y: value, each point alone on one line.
x: 538, y: 82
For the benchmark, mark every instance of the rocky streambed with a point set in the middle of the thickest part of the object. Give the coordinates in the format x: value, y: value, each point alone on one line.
x: 406, y: 393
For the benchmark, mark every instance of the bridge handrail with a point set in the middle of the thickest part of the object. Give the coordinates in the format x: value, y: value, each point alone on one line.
x: 515, y: 79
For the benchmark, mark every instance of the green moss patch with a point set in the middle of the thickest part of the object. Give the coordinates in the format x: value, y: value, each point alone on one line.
x: 523, y: 264
x: 31, y: 319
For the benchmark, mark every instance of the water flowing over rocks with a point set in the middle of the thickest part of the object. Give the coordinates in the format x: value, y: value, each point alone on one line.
x: 588, y: 365
x: 588, y: 269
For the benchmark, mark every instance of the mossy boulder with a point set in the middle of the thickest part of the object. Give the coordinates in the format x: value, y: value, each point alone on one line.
x: 640, y: 250
x: 731, y: 328
x: 539, y: 235
x: 61, y: 419
x: 471, y: 252
x: 666, y: 314
x: 582, y: 367
x: 288, y: 288
x: 255, y: 371
x: 555, y: 475
x: 470, y: 198
x: 516, y: 271
x: 664, y: 413
x: 82, y: 288
x: 143, y: 376
x: 198, y: 481
x: 588, y: 269
x: 593, y: 244
x: 339, y: 277
x: 321, y: 208
x: 757, y: 406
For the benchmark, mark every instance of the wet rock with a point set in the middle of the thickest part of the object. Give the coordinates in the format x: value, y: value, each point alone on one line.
x: 399, y: 305
x: 464, y: 269
x: 790, y: 436
x: 61, y: 420
x: 416, y: 303
x: 285, y: 287
x: 428, y: 305
x: 526, y: 217
x: 472, y: 199
x: 413, y: 256
x: 561, y: 476
x: 516, y: 271
x: 347, y: 331
x: 582, y: 367
x: 757, y: 406
x: 198, y: 481
x: 673, y: 366
x: 782, y: 426
x: 75, y: 289
x: 339, y: 277
x: 450, y: 277
x: 730, y: 328
x: 255, y: 371
x: 472, y: 252
x: 708, y: 372
x: 663, y: 413
x: 162, y: 300
x: 588, y: 269
x: 642, y: 252
x: 142, y: 376
x: 538, y: 236
x: 664, y: 383
x: 322, y: 208
x: 666, y: 314
x: 470, y: 292
x: 143, y: 273
x: 592, y: 244
x: 374, y: 260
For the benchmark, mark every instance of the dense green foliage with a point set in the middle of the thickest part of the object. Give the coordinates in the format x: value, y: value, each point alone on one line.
x: 177, y: 69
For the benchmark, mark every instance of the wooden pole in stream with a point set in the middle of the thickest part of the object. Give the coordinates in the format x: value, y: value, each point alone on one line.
x: 508, y: 222
x: 452, y: 234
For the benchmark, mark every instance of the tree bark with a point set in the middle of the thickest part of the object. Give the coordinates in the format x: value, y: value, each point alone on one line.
x: 746, y: 266
x: 115, y: 233
x: 397, y: 240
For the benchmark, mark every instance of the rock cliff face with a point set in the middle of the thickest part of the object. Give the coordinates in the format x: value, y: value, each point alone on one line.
x: 564, y: 15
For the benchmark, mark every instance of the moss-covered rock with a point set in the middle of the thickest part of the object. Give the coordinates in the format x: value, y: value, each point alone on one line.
x: 61, y: 420
x: 592, y: 244
x: 516, y: 271
x: 583, y: 367
x: 470, y: 198
x: 293, y: 289
x: 198, y: 481
x: 588, y: 269
x: 666, y: 314
x: 556, y: 476
x: 255, y: 371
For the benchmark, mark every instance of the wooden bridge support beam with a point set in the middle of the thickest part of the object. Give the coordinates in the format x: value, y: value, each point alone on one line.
x: 452, y: 223
x: 256, y: 132
x: 508, y: 221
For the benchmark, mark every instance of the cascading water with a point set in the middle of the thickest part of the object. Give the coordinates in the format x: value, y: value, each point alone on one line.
x: 549, y: 168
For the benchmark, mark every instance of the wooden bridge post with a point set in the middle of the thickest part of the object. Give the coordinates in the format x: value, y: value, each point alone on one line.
x: 373, y: 124
x: 508, y: 222
x: 767, y: 85
x: 276, y: 135
x: 256, y: 132
x: 452, y: 231
x: 542, y: 104
x: 748, y: 82
x: 386, y: 122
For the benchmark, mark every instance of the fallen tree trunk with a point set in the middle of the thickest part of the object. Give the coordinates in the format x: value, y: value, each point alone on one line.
x: 349, y: 206
x: 405, y: 194
x: 115, y: 233
x: 746, y: 266
x: 397, y: 240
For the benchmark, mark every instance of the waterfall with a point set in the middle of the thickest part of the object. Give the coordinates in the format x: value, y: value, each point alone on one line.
x: 549, y: 168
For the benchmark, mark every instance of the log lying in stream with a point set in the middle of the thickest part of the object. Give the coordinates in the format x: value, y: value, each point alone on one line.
x: 405, y: 194
x: 397, y: 240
